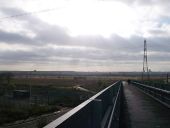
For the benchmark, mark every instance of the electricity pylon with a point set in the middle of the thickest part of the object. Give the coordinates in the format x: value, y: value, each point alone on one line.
x: 145, y: 62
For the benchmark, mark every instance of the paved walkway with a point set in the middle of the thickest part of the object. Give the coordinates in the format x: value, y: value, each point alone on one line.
x: 141, y: 111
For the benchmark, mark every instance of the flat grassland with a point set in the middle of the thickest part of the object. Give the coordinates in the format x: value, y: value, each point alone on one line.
x: 47, y: 94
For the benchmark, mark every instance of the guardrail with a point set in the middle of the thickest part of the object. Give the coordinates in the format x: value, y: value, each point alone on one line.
x: 163, y: 96
x: 100, y: 111
x: 156, y: 84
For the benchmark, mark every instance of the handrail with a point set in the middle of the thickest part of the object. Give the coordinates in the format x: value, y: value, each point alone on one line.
x: 154, y: 88
x: 156, y: 84
x: 114, y: 110
x: 161, y: 95
x: 87, y: 110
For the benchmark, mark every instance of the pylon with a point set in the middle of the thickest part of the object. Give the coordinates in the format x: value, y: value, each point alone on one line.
x: 145, y: 62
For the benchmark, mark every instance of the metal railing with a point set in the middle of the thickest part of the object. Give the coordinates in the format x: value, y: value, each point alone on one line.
x: 100, y: 111
x: 156, y: 84
x: 163, y: 96
x: 115, y: 114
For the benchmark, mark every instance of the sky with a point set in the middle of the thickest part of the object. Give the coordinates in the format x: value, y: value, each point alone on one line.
x: 84, y: 35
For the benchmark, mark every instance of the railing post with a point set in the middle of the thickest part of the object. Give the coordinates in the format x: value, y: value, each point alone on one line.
x: 97, y: 113
x: 111, y: 96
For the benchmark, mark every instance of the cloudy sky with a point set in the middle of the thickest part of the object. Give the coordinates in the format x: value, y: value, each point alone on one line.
x: 84, y: 35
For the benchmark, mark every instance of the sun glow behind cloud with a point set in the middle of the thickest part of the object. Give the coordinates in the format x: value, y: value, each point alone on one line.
x: 93, y: 18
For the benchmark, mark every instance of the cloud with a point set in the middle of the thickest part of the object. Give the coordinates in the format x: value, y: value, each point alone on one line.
x: 53, y: 45
x: 9, y: 37
x: 43, y: 32
x: 144, y: 2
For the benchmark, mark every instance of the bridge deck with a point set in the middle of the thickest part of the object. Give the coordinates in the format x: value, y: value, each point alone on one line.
x: 141, y: 111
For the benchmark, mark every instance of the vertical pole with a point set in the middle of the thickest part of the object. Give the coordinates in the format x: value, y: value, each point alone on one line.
x: 97, y: 113
x: 48, y: 96
x: 30, y: 86
x: 111, y: 96
x: 143, y: 62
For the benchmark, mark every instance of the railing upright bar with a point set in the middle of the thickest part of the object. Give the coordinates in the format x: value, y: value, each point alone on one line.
x: 115, y: 118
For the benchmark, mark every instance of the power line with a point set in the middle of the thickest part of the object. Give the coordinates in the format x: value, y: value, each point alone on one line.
x: 28, y: 13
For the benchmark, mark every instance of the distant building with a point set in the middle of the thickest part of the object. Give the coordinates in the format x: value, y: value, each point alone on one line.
x: 21, y: 94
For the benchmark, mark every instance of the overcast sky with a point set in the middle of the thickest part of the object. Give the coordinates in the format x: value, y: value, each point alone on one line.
x: 84, y: 35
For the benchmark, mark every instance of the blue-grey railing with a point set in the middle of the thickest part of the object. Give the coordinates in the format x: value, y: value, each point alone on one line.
x: 100, y: 111
x: 156, y: 84
x: 161, y: 95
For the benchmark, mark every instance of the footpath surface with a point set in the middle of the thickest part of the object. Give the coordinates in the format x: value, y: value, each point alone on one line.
x: 141, y: 111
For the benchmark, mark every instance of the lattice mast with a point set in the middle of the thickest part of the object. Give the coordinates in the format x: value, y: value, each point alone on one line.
x: 145, y: 62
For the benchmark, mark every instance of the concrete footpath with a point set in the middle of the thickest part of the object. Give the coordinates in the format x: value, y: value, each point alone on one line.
x: 141, y: 111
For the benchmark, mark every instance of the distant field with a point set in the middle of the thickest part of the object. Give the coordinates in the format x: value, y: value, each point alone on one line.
x: 64, y: 80
x: 47, y: 94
